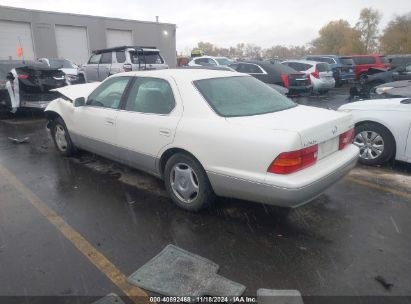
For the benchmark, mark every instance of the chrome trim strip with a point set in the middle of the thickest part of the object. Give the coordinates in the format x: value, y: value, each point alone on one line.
x: 135, y: 159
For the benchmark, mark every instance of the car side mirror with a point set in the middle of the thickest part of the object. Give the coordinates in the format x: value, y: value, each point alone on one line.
x: 79, y: 102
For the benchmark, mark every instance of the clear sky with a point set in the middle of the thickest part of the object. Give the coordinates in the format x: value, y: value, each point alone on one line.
x: 227, y: 22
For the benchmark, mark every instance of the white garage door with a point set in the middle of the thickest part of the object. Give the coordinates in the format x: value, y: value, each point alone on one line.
x: 12, y: 36
x: 72, y: 43
x: 119, y: 38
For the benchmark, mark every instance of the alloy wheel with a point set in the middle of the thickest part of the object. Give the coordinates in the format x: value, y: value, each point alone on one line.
x: 371, y: 144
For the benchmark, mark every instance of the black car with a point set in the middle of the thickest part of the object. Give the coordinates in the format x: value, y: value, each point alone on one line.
x: 278, y: 74
x: 28, y: 84
x: 396, y: 89
x: 376, y: 77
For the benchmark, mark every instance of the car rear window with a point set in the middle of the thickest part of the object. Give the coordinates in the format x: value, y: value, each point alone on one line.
x: 241, y: 96
x: 323, y: 67
x: 384, y: 59
x: 347, y: 61
x: 146, y: 58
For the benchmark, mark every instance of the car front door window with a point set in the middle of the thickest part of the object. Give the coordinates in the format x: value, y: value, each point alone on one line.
x: 109, y: 93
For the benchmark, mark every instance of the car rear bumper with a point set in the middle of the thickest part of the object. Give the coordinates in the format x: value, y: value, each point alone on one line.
x: 292, y: 197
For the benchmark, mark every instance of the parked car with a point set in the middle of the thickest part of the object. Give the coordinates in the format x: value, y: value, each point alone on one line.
x: 278, y: 74
x: 236, y: 136
x: 364, y: 62
x: 382, y: 129
x: 106, y: 62
x: 209, y: 61
x: 320, y: 73
x: 68, y: 67
x: 396, y: 89
x: 399, y: 60
x: 28, y: 84
x: 380, y: 76
x: 343, y: 68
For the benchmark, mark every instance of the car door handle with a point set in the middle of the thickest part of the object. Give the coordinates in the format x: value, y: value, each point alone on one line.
x: 110, y: 121
x: 165, y: 132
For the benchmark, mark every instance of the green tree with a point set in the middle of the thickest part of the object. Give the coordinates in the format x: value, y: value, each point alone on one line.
x: 396, y: 37
x: 338, y: 37
x: 367, y: 26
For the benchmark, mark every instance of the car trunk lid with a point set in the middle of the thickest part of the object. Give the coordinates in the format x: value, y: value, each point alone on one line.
x: 314, y: 125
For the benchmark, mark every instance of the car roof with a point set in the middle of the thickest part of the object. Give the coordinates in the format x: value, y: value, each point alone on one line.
x: 182, y: 74
x: 330, y: 56
x: 304, y: 61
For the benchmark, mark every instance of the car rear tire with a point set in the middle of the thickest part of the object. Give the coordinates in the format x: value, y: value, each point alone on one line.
x: 187, y: 183
x: 376, y: 143
x: 61, y: 137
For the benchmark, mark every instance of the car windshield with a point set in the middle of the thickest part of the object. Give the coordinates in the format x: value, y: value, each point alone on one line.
x: 241, y: 96
x: 146, y: 58
x: 347, y: 61
x: 61, y: 64
x: 223, y: 61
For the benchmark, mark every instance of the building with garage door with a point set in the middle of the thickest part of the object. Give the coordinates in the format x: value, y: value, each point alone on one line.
x: 71, y: 36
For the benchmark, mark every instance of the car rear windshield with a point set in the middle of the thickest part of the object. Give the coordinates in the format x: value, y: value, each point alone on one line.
x: 347, y: 61
x: 384, y: 59
x: 241, y: 96
x: 146, y: 58
x: 323, y: 67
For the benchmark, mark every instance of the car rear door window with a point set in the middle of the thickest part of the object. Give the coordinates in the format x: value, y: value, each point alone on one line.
x: 106, y: 58
x: 121, y: 57
x: 109, y: 93
x: 150, y: 95
x: 95, y: 59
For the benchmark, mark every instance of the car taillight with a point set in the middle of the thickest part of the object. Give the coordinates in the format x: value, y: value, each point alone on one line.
x: 127, y: 67
x: 284, y: 77
x: 23, y: 76
x: 316, y: 74
x: 346, y: 138
x: 289, y: 162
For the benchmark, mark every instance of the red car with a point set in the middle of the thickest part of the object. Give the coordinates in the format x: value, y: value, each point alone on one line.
x: 364, y: 62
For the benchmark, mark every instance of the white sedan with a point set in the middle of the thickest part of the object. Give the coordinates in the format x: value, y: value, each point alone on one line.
x: 382, y: 129
x: 207, y: 133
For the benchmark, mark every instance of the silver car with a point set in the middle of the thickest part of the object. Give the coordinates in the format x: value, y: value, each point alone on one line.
x: 106, y: 62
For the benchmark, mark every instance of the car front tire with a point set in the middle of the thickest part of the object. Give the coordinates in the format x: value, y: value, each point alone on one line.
x: 187, y: 183
x: 376, y: 143
x: 61, y: 137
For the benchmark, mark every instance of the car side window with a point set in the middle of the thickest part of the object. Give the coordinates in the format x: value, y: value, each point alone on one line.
x: 408, y: 68
x: 252, y: 69
x: 94, y: 59
x: 106, y: 58
x: 150, y: 95
x: 121, y: 57
x: 109, y: 93
x: 211, y: 61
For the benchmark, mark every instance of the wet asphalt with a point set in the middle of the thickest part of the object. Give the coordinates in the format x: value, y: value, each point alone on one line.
x: 337, y: 245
